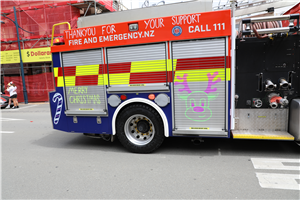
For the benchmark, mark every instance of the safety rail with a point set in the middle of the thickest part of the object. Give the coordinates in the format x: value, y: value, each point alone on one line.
x: 58, y: 25
x: 291, y: 28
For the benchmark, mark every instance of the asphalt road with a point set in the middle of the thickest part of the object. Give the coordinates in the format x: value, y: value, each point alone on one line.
x: 41, y: 163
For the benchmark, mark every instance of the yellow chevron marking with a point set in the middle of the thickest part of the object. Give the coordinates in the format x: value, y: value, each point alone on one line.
x: 119, y: 79
x: 148, y: 66
x: 60, y: 81
x: 55, y: 71
x: 84, y: 70
x: 70, y: 81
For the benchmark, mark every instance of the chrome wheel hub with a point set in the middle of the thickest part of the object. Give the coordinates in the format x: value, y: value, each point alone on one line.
x: 139, y: 129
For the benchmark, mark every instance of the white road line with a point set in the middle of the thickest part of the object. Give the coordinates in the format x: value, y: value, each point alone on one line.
x: 13, y: 110
x: 276, y: 164
x: 21, y: 108
x: 9, y: 119
x: 6, y: 131
x: 278, y: 181
x: 275, y: 180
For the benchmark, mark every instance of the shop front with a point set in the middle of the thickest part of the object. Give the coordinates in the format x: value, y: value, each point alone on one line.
x: 37, y: 73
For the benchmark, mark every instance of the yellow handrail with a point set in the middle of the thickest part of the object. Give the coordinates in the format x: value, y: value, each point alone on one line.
x: 58, y: 25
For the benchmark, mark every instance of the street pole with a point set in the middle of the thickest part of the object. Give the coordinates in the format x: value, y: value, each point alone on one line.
x: 21, y: 61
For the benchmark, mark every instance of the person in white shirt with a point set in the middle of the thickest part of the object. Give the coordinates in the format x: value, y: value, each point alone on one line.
x: 12, y: 89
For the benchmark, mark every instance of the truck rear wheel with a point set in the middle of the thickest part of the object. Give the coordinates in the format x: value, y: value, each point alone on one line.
x: 140, y: 128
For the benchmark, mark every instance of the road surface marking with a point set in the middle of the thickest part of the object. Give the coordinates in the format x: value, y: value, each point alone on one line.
x: 6, y: 131
x: 9, y: 119
x: 278, y: 181
x: 275, y: 180
x: 277, y: 164
x: 22, y: 108
x: 13, y: 110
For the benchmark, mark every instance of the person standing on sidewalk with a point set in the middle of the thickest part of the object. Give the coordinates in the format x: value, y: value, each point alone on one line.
x: 8, y: 89
x: 12, y: 89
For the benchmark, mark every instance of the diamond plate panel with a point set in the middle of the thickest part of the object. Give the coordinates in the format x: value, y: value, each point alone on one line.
x: 261, y: 119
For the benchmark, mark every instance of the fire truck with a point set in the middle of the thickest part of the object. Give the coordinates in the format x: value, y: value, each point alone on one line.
x: 180, y: 75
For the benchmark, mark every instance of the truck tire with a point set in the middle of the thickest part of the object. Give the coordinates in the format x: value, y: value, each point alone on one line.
x: 140, y: 128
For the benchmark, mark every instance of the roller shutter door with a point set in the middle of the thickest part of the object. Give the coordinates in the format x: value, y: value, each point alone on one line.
x: 200, y: 84
x: 137, y: 65
x: 83, y: 80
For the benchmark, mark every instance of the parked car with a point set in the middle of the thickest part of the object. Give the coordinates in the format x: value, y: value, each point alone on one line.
x: 4, y: 100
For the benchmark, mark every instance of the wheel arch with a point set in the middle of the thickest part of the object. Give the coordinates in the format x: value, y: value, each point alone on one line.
x: 144, y: 101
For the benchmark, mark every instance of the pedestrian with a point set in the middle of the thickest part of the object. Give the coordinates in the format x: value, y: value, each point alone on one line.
x: 1, y: 89
x: 9, y: 99
x: 12, y: 89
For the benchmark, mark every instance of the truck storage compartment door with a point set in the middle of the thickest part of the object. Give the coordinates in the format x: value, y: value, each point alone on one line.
x: 262, y: 124
x: 137, y: 68
x: 200, y: 87
x: 84, y: 83
x: 294, y: 122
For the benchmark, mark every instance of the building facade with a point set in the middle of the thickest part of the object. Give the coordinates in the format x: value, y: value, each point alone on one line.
x: 36, y: 19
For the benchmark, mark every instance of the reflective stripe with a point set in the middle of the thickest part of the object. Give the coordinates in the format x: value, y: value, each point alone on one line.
x: 100, y: 79
x: 174, y: 64
x: 70, y: 80
x: 228, y: 74
x: 118, y: 79
x: 148, y: 77
x: 148, y: 66
x: 84, y: 70
x: 135, y: 62
x: 140, y: 68
x: 169, y: 64
x: 105, y: 79
x: 201, y: 75
x: 60, y: 81
x: 55, y: 71
x: 124, y: 78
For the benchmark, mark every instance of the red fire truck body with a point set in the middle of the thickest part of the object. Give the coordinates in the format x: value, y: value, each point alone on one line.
x: 148, y: 79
